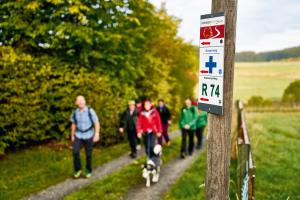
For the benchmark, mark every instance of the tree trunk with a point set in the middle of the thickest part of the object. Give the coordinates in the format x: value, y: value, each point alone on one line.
x: 219, y: 128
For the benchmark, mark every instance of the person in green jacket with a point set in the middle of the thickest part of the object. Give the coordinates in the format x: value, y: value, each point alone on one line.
x: 201, y: 124
x: 187, y: 124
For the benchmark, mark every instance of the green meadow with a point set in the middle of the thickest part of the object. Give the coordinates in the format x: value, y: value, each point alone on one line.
x: 266, y: 79
x: 275, y: 142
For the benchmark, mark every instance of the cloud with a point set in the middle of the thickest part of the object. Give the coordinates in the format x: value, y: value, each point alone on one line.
x: 261, y: 25
x: 189, y: 11
x: 276, y: 40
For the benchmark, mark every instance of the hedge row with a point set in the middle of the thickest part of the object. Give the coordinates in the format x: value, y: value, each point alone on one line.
x: 37, y: 101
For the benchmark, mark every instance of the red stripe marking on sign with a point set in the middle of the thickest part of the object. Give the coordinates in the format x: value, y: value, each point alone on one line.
x: 204, y: 99
x: 205, y: 43
x: 204, y: 71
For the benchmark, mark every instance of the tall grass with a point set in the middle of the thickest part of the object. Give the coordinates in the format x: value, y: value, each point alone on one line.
x: 191, y: 185
x: 275, y: 141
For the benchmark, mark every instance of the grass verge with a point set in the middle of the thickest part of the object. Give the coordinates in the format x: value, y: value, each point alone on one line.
x: 190, y: 186
x: 34, y: 169
x: 275, y: 142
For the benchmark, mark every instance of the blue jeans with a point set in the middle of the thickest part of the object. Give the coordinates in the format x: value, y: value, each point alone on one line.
x: 149, y: 142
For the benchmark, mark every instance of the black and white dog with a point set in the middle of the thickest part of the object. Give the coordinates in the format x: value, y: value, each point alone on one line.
x: 152, y: 166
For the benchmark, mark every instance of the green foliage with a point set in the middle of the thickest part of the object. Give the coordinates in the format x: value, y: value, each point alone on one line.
x: 259, y: 101
x: 38, y: 100
x: 275, y: 146
x: 250, y: 56
x: 292, y: 93
x: 108, y: 51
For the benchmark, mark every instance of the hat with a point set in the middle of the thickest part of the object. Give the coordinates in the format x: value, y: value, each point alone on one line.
x: 131, y: 102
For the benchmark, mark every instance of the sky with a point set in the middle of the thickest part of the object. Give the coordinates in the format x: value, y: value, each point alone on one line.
x: 262, y: 25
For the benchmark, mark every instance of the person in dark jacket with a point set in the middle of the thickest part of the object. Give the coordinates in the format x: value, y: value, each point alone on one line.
x: 187, y: 124
x: 128, y: 125
x: 201, y: 124
x: 139, y: 107
x: 165, y: 116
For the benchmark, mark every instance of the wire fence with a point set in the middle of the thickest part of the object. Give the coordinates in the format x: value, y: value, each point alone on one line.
x: 245, y: 163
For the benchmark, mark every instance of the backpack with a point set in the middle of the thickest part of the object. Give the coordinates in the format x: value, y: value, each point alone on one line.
x: 90, y: 117
x: 193, y: 109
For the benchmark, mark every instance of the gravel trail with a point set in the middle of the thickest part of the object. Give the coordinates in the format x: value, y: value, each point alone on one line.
x: 64, y: 188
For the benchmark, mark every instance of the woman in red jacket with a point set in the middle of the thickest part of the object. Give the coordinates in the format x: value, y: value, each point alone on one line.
x: 149, y: 127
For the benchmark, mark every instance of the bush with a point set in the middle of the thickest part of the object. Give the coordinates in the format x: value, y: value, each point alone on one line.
x: 291, y: 94
x: 37, y: 101
x: 259, y: 101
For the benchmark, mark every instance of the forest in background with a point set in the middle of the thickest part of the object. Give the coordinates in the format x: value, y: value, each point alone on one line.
x: 109, y: 51
x: 288, y: 54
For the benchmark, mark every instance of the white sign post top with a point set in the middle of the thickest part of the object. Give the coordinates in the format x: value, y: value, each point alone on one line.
x: 212, y: 30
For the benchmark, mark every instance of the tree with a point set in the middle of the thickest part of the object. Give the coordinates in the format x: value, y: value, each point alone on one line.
x: 109, y: 51
x: 291, y: 94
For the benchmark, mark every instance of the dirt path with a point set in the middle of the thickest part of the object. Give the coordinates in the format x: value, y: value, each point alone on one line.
x: 64, y: 188
x: 169, y: 174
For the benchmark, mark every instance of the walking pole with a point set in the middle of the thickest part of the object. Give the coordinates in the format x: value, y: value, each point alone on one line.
x: 148, y: 182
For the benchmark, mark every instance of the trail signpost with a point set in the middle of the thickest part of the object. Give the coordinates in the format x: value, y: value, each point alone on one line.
x: 211, y: 68
x: 217, y: 51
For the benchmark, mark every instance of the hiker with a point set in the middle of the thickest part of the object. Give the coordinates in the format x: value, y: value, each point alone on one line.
x: 85, y: 129
x: 187, y: 124
x: 201, y: 124
x: 149, y: 127
x: 165, y: 116
x: 128, y: 125
x: 139, y: 107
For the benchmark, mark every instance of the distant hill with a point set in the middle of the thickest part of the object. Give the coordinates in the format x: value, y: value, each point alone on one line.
x: 285, y: 54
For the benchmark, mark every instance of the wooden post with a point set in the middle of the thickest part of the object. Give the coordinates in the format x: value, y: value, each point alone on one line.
x: 239, y: 141
x: 219, y: 128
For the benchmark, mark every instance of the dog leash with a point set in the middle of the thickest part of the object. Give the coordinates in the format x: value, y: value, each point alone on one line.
x: 149, y: 146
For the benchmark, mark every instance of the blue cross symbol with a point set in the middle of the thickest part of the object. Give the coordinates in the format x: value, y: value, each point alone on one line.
x: 210, y: 65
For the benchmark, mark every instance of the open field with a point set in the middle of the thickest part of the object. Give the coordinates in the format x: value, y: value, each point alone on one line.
x: 268, y: 79
x: 275, y: 143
